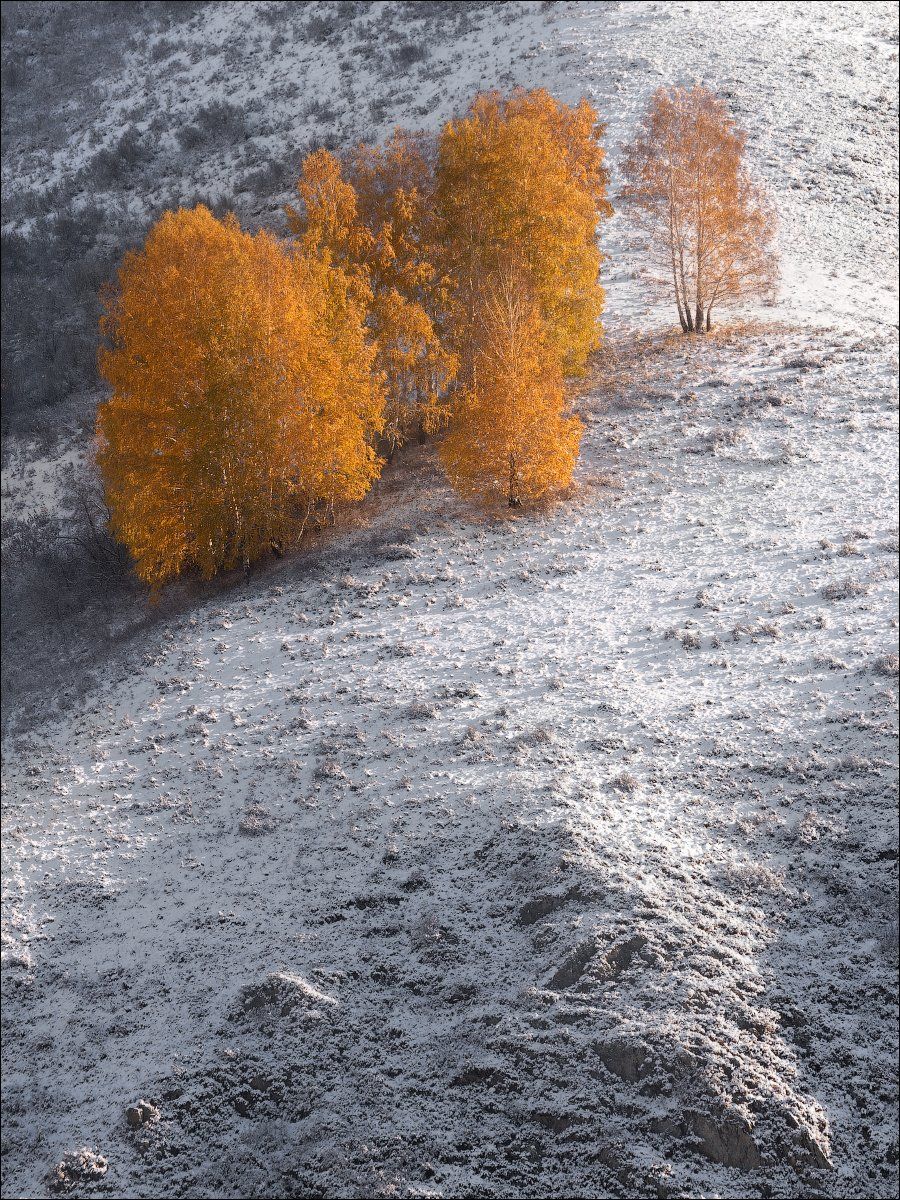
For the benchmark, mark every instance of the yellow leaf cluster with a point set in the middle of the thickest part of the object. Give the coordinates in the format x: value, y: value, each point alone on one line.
x: 370, y: 214
x: 243, y: 399
x: 709, y: 230
x: 521, y: 186
x: 510, y: 440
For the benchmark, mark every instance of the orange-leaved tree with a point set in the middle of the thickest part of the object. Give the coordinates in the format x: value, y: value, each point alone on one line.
x: 370, y: 215
x: 521, y: 187
x: 395, y: 186
x: 327, y: 222
x: 708, y: 229
x: 243, y: 399
x: 510, y: 440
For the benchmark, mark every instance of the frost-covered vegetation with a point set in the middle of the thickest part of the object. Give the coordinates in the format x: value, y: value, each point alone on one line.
x: 455, y: 855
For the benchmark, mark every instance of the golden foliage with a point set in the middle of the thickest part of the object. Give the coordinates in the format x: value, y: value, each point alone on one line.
x: 709, y: 228
x: 394, y: 186
x: 415, y: 367
x: 327, y: 224
x: 509, y: 440
x: 512, y: 191
x: 248, y: 381
x: 243, y: 397
x: 521, y: 186
x: 374, y: 225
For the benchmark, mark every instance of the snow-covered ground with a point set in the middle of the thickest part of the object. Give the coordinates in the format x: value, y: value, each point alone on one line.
x: 553, y: 855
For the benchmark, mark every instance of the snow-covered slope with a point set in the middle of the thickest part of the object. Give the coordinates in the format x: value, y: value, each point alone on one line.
x: 546, y: 856
x: 551, y: 856
x: 239, y: 89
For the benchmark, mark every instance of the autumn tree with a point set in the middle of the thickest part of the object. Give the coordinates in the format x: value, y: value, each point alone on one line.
x: 443, y: 233
x: 708, y: 228
x: 369, y: 214
x: 326, y: 223
x: 243, y: 401
x: 394, y: 184
x: 510, y: 440
x: 521, y: 187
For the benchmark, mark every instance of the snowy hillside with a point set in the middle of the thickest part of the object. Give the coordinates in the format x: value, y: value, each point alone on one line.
x: 547, y: 856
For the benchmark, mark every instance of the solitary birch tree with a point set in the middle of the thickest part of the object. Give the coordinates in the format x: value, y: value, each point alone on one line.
x: 708, y: 228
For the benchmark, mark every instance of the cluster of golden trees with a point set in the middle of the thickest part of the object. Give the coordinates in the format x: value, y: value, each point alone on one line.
x: 432, y: 284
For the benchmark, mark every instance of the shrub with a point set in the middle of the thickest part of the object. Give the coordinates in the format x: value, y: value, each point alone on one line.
x: 844, y: 589
x: 162, y: 48
x: 190, y: 137
x: 319, y: 29
x: 221, y: 119
x: 409, y: 54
